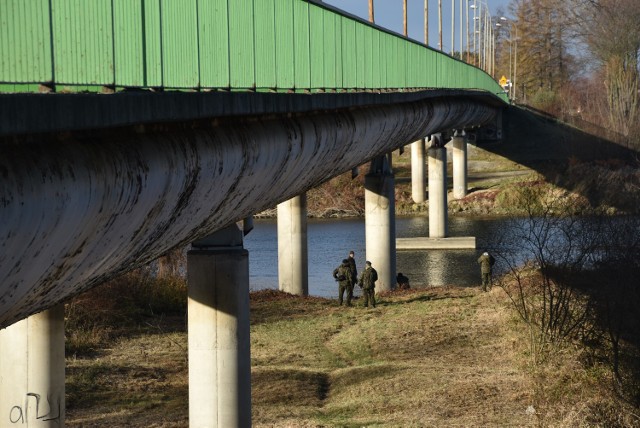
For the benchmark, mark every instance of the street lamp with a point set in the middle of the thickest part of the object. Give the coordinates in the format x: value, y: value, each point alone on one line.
x: 485, y: 35
x: 513, y: 40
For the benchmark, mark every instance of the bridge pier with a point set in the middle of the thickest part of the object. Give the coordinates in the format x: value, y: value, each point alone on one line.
x: 293, y: 259
x: 459, y: 154
x: 218, y: 329
x: 418, y: 177
x: 380, y: 229
x: 437, y: 154
x: 32, y: 371
x: 438, y: 211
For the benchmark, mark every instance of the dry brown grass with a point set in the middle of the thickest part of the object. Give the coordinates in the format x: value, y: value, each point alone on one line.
x: 441, y: 357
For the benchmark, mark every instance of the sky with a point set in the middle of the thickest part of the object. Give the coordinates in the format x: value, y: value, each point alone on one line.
x: 388, y: 14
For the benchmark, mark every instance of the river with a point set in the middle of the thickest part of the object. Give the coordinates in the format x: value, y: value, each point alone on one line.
x: 330, y: 240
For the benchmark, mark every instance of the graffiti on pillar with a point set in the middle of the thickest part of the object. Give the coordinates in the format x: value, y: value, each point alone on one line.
x: 20, y: 415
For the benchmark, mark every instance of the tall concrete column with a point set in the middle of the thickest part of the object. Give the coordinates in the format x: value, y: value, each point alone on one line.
x: 459, y: 153
x: 293, y: 259
x: 418, y: 177
x: 32, y: 371
x: 218, y: 329
x: 380, y: 225
x: 437, y: 154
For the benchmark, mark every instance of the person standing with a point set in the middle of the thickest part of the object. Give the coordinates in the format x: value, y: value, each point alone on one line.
x: 342, y: 274
x: 486, y: 262
x: 352, y: 266
x: 368, y: 280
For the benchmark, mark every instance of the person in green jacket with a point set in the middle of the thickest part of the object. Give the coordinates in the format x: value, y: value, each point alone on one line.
x: 342, y: 274
x: 367, y: 282
x: 486, y: 262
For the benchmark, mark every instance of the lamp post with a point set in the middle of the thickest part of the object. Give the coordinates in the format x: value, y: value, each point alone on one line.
x: 485, y: 48
x: 440, y: 24
x: 467, y: 13
x: 453, y: 26
x: 404, y: 18
x: 426, y: 22
x: 513, y: 45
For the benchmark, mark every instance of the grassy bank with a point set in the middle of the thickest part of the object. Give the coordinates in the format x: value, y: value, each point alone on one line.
x: 432, y: 357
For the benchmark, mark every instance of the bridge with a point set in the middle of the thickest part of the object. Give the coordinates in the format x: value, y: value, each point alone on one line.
x: 129, y: 128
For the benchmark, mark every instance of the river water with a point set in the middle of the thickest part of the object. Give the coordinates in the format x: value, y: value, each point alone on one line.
x: 330, y: 240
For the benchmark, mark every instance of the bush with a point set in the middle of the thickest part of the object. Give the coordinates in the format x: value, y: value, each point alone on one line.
x: 98, y: 315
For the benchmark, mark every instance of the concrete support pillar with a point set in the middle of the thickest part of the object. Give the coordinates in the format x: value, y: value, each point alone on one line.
x: 293, y: 259
x: 218, y: 329
x: 380, y: 225
x: 459, y: 154
x: 32, y: 371
x: 437, y: 154
x: 418, y: 177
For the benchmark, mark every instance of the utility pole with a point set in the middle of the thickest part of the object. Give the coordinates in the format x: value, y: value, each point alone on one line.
x: 467, y: 12
x: 440, y: 24
x: 461, y: 22
x: 404, y: 17
x: 371, y: 18
x: 453, y: 26
x: 426, y: 22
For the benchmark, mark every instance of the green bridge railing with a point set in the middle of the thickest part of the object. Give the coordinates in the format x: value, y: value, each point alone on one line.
x: 243, y: 45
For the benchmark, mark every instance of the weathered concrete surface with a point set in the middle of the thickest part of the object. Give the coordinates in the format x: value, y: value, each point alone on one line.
x: 293, y: 257
x: 80, y: 208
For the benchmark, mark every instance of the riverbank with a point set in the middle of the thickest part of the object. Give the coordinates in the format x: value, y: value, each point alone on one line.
x: 437, y: 357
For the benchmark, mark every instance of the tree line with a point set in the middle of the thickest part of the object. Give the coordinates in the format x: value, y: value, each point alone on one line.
x: 575, y: 58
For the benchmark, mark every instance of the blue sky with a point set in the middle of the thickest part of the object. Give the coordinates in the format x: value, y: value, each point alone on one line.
x: 388, y: 14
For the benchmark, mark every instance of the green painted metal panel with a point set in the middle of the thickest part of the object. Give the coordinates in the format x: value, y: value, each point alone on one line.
x: 285, y: 77
x: 128, y: 42
x: 417, y: 53
x: 182, y: 44
x: 25, y: 49
x: 361, y: 44
x: 83, y: 42
x: 430, y: 71
x: 348, y: 53
x: 265, y: 42
x: 241, y: 44
x: 374, y: 63
x: 394, y: 80
x: 330, y: 52
x: 213, y: 37
x: 411, y: 66
x: 152, y: 43
x: 368, y: 59
x: 384, y: 59
x: 316, y: 46
x: 301, y: 45
x: 338, y: 48
x: 179, y: 19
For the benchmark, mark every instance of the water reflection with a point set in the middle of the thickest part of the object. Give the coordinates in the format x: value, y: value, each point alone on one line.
x: 329, y: 241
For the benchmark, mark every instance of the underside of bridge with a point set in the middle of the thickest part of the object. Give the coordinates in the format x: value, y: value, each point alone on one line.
x: 81, y: 207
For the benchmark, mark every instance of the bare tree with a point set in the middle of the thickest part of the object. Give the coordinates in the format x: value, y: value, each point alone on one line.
x: 610, y: 29
x: 543, y: 254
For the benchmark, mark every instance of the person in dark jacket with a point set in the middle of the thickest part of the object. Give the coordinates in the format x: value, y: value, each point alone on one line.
x: 342, y: 274
x: 486, y: 262
x: 352, y: 266
x: 367, y: 281
x: 403, y: 281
